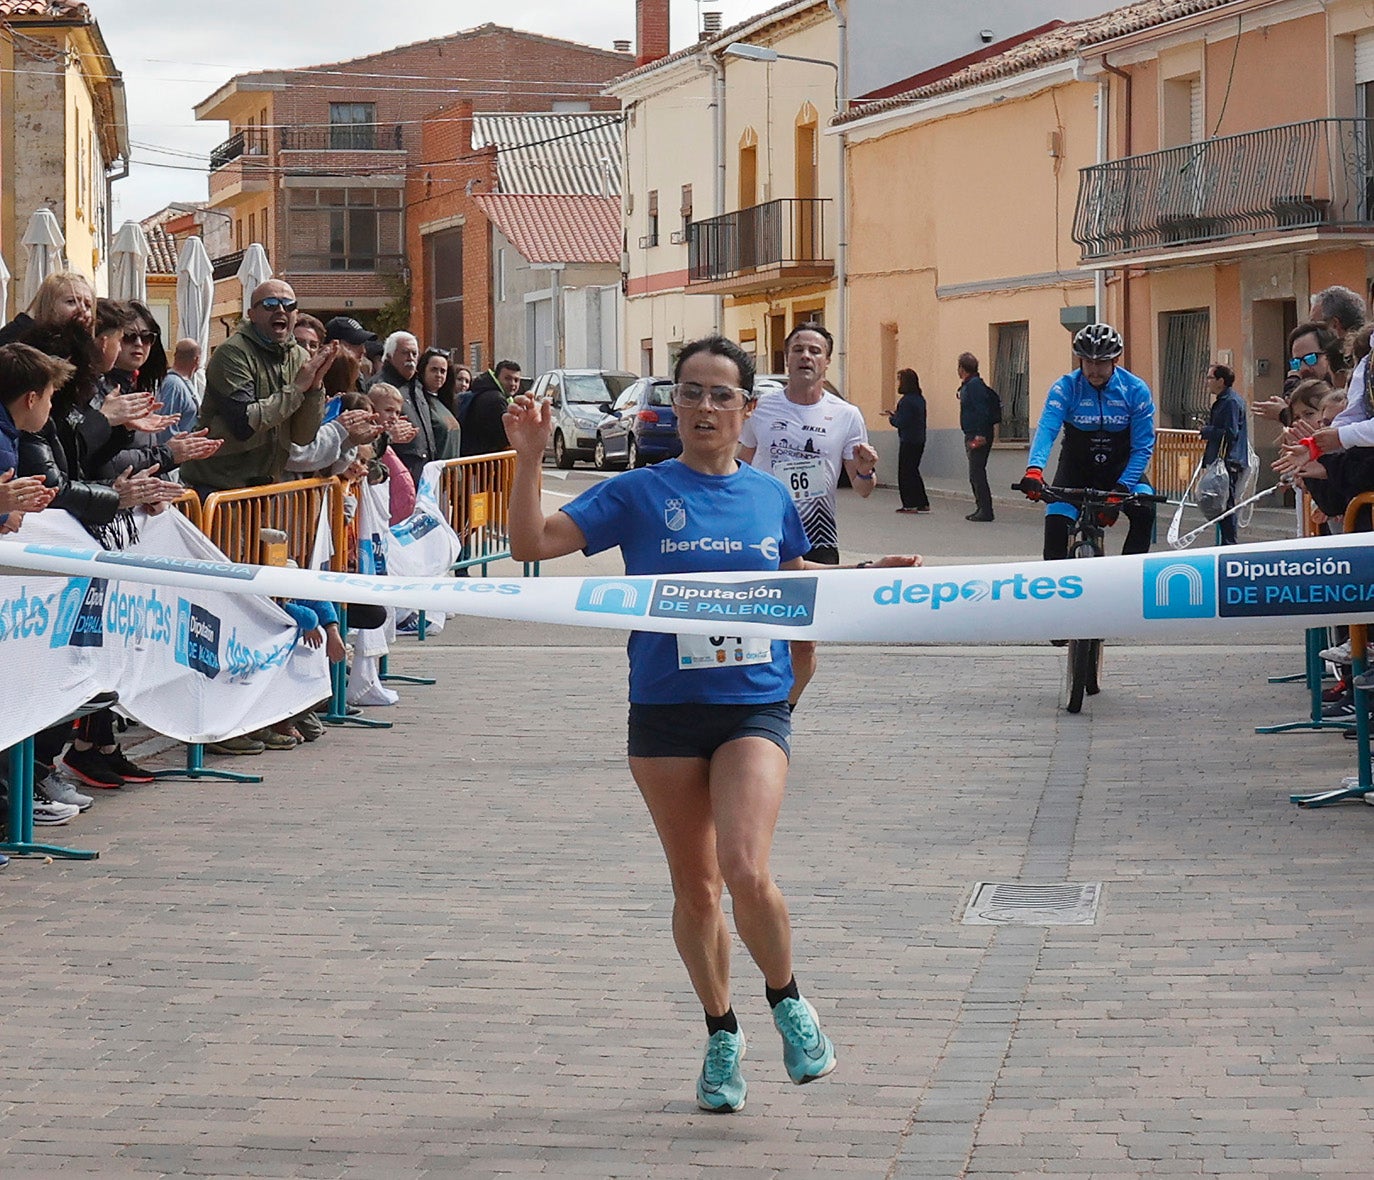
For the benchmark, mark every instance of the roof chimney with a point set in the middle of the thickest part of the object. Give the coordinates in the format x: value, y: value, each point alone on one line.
x: 651, y: 30
x: 621, y: 46
x: 710, y: 24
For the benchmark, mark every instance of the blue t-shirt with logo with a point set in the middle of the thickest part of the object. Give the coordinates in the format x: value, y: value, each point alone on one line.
x: 670, y: 519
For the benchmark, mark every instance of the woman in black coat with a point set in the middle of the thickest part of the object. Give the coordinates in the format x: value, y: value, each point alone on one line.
x: 910, y: 420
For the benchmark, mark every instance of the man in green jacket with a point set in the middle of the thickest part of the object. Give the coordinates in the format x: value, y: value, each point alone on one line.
x: 262, y: 393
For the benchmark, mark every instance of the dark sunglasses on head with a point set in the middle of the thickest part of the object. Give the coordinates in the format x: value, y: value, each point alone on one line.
x: 139, y: 337
x: 272, y: 302
x: 1308, y: 358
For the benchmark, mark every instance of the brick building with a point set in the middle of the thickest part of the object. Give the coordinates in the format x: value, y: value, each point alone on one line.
x: 317, y: 160
x: 460, y: 262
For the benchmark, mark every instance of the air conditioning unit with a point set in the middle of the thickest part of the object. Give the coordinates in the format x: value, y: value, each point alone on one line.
x: 644, y: 242
x: 677, y: 237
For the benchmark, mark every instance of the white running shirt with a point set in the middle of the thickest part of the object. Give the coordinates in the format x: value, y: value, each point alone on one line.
x: 805, y: 447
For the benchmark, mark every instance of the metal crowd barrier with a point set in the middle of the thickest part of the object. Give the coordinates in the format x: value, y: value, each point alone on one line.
x: 234, y: 520
x: 1177, y: 454
x: 474, y: 496
x: 1362, y: 782
x: 1314, y: 640
x: 189, y: 507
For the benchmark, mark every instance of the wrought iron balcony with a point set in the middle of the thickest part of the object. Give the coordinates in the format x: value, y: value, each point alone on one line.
x: 1313, y: 175
x: 251, y: 141
x: 763, y: 246
x: 344, y: 137
x: 226, y: 266
x: 231, y: 149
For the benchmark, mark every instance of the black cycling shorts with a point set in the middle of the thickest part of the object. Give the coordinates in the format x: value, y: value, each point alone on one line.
x: 697, y: 730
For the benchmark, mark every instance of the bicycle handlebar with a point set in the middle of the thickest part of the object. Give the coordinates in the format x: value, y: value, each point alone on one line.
x: 1092, y: 497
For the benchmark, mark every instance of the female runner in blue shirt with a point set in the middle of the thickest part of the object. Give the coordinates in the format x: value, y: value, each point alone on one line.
x: 709, y: 724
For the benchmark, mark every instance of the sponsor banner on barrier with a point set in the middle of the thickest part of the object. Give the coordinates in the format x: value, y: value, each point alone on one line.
x: 194, y: 664
x: 1276, y: 586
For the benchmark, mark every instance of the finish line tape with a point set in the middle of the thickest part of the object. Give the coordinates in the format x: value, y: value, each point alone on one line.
x: 1277, y: 586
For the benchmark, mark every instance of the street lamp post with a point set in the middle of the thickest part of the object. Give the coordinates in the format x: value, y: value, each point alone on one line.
x: 764, y: 53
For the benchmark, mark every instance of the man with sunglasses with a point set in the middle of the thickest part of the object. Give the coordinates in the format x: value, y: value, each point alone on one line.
x: 262, y: 393
x: 804, y: 435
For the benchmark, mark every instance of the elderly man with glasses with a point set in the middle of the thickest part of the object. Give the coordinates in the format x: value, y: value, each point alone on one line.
x: 263, y: 392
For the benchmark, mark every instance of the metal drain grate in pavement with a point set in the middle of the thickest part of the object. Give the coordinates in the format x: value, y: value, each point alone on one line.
x: 1011, y: 903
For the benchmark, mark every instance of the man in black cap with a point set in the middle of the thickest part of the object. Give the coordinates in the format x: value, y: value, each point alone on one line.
x: 353, y: 340
x: 350, y: 334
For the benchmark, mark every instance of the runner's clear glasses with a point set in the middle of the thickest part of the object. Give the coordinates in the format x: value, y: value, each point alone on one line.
x: 722, y: 397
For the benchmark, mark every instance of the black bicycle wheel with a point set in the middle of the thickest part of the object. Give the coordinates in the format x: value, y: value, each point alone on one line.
x: 1094, y: 685
x: 1076, y: 674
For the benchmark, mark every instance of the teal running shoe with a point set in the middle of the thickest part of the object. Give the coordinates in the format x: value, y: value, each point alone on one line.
x: 721, y: 1087
x: 806, y: 1051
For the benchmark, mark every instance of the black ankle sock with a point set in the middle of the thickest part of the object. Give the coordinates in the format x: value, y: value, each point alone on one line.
x: 777, y: 995
x: 726, y: 1023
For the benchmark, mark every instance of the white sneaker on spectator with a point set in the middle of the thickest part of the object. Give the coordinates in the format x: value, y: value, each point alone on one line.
x: 1341, y: 654
x: 56, y: 789
x: 53, y: 813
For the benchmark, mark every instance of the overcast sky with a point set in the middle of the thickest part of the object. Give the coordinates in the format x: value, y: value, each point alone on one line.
x: 173, y: 54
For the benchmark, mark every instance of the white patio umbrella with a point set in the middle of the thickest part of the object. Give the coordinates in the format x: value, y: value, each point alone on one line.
x: 43, y: 242
x: 253, y: 271
x: 129, y: 263
x: 4, y: 292
x: 195, y: 298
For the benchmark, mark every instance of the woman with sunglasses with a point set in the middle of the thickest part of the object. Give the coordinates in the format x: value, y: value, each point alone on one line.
x: 709, y: 726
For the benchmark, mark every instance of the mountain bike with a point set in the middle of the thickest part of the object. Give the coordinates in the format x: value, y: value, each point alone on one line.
x: 1083, y: 670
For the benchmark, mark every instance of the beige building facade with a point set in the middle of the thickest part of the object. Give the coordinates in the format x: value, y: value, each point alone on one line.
x: 963, y: 201
x: 64, y: 131
x: 1191, y: 172
x: 731, y: 190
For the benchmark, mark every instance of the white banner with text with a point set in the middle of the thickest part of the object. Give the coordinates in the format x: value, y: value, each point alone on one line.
x: 1278, y: 586
x: 196, y: 666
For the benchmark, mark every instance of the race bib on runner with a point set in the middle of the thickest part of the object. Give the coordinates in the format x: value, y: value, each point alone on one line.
x: 721, y: 651
x: 806, y: 479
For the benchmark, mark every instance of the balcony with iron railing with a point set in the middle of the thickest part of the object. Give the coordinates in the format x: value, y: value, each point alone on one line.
x: 226, y: 266
x: 764, y: 247
x: 1310, y: 177
x: 343, y: 137
x: 252, y: 141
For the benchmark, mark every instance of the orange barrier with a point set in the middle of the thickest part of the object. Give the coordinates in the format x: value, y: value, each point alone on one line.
x: 189, y: 506
x: 1177, y: 454
x: 234, y: 520
x: 474, y: 496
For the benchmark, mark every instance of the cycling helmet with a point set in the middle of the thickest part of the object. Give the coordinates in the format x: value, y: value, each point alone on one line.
x: 1098, y: 342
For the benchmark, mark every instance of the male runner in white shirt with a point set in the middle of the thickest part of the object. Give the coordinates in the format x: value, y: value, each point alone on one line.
x: 803, y: 436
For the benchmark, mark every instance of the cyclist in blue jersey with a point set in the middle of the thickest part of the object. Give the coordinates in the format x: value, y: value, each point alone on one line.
x: 1107, y: 416
x: 709, y: 727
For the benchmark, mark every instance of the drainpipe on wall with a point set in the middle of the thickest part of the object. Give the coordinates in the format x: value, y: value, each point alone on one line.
x: 1104, y: 94
x: 842, y: 219
x: 556, y: 284
x: 1126, y: 112
x: 717, y: 68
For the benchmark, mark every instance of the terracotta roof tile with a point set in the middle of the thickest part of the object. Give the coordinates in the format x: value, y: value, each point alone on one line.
x: 52, y: 9
x: 162, y: 246
x: 557, y: 228
x: 1054, y: 46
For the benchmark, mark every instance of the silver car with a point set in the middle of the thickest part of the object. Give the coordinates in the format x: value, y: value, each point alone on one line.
x: 581, y: 399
